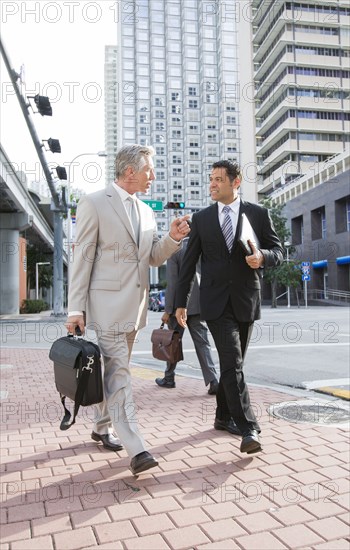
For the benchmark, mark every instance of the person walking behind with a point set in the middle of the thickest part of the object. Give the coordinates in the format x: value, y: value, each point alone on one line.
x: 198, y: 329
x: 229, y: 290
x: 116, y: 243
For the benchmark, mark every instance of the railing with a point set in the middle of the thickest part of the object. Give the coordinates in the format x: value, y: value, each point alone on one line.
x: 329, y: 294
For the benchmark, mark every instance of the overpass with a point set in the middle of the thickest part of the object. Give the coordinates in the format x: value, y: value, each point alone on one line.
x: 20, y: 215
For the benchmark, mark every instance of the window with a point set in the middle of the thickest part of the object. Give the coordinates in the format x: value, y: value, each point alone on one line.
x: 342, y: 215
x: 159, y: 114
x: 230, y: 119
x: 318, y: 223
x: 159, y: 126
x: 160, y: 150
x: 193, y: 103
x: 159, y: 102
x: 175, y: 96
x: 192, y: 91
x: 297, y: 230
x: 175, y: 109
x: 177, y: 172
x: 176, y: 134
x: 160, y: 163
x: 176, y: 159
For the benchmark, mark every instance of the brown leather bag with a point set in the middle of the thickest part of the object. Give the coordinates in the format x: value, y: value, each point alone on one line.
x: 167, y: 345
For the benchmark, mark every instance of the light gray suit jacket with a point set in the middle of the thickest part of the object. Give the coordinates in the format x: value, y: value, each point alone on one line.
x: 110, y: 273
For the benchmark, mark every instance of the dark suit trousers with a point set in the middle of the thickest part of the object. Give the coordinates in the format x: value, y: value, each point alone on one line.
x: 231, y: 339
x: 199, y: 335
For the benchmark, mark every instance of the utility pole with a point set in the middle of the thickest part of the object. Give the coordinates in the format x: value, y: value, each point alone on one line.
x: 57, y: 206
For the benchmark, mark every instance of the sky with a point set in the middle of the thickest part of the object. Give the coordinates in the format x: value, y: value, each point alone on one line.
x: 61, y: 46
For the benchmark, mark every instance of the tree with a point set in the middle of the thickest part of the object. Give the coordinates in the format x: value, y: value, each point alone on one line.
x: 288, y: 273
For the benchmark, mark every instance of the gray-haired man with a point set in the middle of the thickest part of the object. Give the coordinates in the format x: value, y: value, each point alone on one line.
x: 116, y: 242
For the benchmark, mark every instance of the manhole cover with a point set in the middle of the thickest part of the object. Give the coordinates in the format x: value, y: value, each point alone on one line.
x: 310, y: 412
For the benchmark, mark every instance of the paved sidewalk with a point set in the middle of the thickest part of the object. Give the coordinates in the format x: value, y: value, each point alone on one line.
x: 62, y: 491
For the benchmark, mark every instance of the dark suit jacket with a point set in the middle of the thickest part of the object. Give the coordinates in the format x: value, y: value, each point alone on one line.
x: 226, y: 275
x: 173, y: 266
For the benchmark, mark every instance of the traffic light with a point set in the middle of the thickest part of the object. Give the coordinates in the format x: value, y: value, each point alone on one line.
x: 175, y: 205
x: 43, y: 105
x: 61, y: 172
x: 54, y: 145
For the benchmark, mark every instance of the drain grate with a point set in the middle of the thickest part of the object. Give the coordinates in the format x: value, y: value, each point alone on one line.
x: 326, y: 414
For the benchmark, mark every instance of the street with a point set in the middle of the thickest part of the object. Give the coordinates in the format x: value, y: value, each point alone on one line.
x: 288, y: 347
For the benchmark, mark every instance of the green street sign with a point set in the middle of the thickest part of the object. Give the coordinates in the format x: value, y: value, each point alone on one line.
x: 157, y: 206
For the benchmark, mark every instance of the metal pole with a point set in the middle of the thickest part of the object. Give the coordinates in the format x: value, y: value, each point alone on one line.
x: 305, y: 292
x: 58, y: 287
x: 288, y: 288
x: 37, y: 281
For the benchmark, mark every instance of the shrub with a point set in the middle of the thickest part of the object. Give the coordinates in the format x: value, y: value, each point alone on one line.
x: 34, y: 306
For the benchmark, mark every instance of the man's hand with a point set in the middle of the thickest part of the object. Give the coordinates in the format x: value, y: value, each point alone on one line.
x: 181, y: 316
x: 256, y: 259
x: 75, y: 321
x: 179, y: 228
x: 165, y: 317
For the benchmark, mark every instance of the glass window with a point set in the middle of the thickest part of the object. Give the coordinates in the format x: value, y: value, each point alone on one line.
x: 174, y: 46
x: 158, y: 41
x: 175, y: 71
x: 159, y: 89
x: 173, y: 9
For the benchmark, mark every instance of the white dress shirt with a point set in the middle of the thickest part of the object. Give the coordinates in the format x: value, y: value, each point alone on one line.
x: 234, y: 211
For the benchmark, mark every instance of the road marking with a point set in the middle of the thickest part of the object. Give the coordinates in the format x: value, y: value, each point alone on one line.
x: 312, y: 384
x: 270, y: 346
x: 336, y: 392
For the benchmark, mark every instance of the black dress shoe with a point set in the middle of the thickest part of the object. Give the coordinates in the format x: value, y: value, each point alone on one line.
x: 250, y: 442
x: 108, y: 441
x: 142, y: 462
x: 213, y: 387
x: 164, y: 383
x: 227, y: 425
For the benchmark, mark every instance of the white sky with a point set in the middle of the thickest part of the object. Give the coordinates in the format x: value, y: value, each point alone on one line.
x: 61, y: 44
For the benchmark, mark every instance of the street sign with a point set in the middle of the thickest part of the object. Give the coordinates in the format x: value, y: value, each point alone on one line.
x: 305, y: 264
x: 306, y: 277
x: 157, y: 206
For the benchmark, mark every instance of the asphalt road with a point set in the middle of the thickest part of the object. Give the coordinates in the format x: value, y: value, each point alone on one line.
x: 289, y: 347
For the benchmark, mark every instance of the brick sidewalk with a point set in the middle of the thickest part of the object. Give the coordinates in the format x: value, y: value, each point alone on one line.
x: 60, y: 490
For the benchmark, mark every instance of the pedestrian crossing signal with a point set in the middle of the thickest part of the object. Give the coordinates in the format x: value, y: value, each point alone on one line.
x: 175, y: 205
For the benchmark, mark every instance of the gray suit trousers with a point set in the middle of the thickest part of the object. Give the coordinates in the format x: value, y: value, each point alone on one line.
x: 199, y: 334
x: 118, y: 411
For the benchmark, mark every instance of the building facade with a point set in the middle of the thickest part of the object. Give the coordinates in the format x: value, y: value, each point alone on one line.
x: 111, y: 97
x: 302, y: 86
x: 317, y: 208
x: 180, y: 91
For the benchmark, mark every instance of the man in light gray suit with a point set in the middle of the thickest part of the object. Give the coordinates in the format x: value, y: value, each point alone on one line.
x: 198, y: 329
x: 116, y: 243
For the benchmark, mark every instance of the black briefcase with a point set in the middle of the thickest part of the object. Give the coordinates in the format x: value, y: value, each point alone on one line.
x: 78, y: 374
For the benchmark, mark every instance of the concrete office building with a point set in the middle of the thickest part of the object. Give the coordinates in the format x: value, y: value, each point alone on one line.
x: 111, y: 98
x: 302, y: 79
x: 182, y: 67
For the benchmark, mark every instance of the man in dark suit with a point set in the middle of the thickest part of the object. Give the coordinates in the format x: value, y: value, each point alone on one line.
x: 229, y: 291
x: 198, y: 329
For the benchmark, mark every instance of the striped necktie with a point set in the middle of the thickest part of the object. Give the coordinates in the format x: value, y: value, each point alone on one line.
x: 226, y: 228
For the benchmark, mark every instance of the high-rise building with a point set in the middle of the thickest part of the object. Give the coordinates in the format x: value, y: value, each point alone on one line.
x: 111, y: 103
x: 302, y: 81
x: 180, y: 91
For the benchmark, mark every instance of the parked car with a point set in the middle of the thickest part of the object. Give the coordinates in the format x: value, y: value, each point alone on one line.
x: 151, y: 299
x: 158, y: 301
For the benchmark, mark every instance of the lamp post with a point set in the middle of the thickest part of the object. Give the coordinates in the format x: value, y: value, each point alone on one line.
x: 287, y: 245
x: 37, y: 278
x: 69, y: 219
